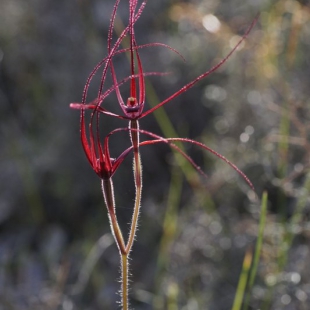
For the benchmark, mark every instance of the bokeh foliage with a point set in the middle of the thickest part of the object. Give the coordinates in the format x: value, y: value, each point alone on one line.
x: 193, y: 233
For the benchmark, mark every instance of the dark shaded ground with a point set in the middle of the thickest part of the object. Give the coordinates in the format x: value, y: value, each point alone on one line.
x: 254, y: 110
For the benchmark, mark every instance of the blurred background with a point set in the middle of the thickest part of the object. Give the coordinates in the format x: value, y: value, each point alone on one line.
x: 56, y: 251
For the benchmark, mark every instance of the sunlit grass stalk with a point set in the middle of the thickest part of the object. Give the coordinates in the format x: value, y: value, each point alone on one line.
x: 258, y: 248
x: 243, y: 280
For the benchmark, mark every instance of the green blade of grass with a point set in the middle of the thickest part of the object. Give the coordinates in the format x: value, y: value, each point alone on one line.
x: 259, y: 241
x: 258, y: 247
x: 243, y: 280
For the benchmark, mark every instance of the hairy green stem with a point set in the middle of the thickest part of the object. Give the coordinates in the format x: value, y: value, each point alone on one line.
x: 125, y: 281
x: 108, y: 193
x: 138, y: 183
x: 134, y: 135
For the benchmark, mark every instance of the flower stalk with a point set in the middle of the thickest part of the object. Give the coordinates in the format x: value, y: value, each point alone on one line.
x: 108, y: 194
x: 134, y: 134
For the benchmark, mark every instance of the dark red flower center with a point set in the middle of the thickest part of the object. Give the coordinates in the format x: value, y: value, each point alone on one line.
x: 132, y: 105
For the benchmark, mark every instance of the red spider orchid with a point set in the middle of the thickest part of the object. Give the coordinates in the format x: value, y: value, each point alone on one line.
x: 133, y: 109
x: 97, y: 149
